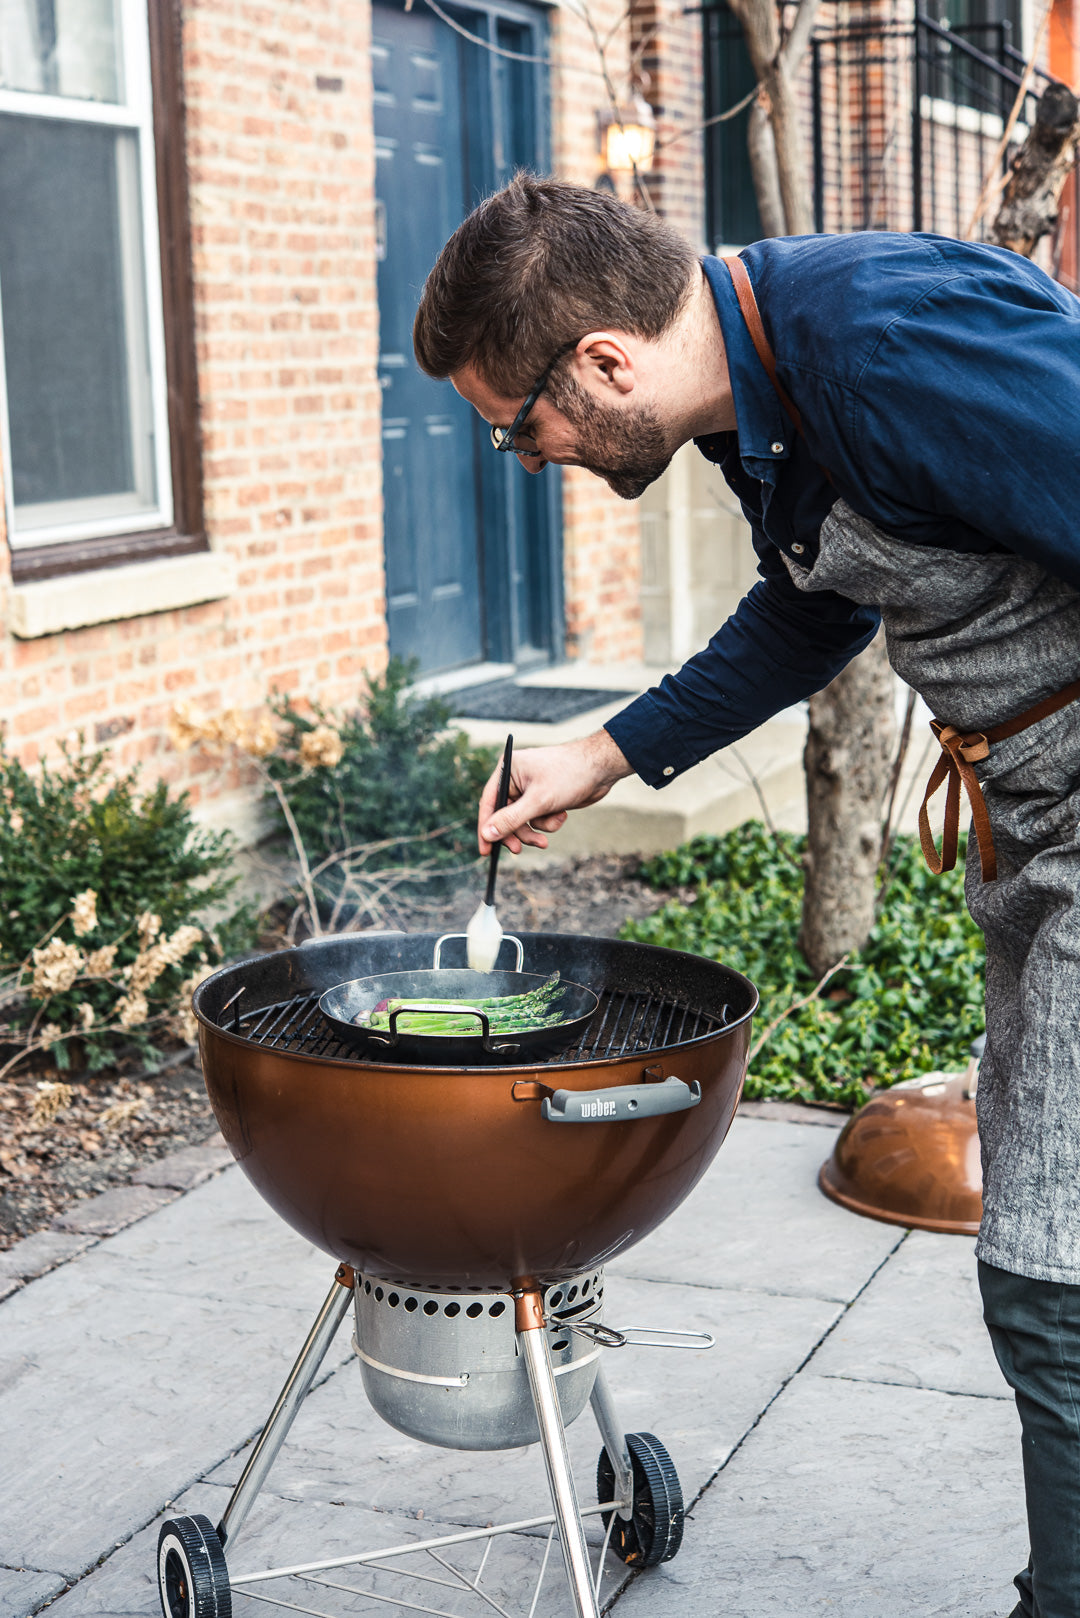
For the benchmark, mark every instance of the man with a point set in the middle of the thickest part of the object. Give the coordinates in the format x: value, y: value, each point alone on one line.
x: 900, y: 418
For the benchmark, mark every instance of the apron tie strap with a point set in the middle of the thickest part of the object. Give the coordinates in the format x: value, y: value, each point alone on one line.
x: 959, y: 751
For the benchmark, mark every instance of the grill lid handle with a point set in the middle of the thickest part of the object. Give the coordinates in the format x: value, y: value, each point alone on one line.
x: 621, y: 1104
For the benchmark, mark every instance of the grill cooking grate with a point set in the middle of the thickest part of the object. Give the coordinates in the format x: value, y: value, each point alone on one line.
x: 623, y: 1024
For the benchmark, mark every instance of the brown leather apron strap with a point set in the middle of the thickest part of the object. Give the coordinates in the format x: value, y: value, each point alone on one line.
x: 959, y: 751
x: 744, y: 291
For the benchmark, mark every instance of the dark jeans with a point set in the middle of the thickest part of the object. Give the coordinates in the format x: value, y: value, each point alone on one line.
x: 1035, y: 1329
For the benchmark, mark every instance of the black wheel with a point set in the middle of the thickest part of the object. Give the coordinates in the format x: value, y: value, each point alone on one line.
x: 193, y: 1581
x: 654, y: 1532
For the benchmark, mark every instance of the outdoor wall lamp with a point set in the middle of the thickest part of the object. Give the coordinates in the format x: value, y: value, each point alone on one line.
x: 628, y: 139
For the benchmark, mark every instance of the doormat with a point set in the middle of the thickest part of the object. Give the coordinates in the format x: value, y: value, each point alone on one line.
x: 528, y: 704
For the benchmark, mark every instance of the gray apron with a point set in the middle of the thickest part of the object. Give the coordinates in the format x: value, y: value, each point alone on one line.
x: 982, y: 638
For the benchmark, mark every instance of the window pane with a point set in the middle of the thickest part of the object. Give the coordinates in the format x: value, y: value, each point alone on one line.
x: 74, y: 321
x: 60, y: 47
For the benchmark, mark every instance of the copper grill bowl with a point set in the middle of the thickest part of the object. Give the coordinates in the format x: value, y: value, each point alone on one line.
x: 910, y: 1156
x: 451, y: 1177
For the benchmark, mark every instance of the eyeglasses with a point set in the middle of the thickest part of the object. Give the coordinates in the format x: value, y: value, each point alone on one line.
x: 505, y: 438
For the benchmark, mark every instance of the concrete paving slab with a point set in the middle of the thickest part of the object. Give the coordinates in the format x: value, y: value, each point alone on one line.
x: 856, y: 1501
x: 700, y: 1405
x: 757, y: 1221
x: 919, y: 1323
x: 187, y: 1168
x: 23, y: 1590
x: 123, y: 1376
x: 43, y: 1251
x: 221, y: 1241
x: 113, y: 1210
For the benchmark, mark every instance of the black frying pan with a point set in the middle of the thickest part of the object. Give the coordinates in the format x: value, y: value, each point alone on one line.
x: 342, y: 1004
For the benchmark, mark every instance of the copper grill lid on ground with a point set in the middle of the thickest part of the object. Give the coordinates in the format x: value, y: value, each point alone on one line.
x: 910, y: 1156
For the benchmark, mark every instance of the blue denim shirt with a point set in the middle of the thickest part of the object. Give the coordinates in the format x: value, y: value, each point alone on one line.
x: 938, y: 383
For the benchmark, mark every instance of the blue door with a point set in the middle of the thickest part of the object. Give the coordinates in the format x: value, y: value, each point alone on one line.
x: 471, y: 554
x: 429, y: 481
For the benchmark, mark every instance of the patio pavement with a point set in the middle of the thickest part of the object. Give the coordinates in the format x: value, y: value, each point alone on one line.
x: 848, y: 1448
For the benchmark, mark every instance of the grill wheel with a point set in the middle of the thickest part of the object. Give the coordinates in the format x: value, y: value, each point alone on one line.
x: 654, y: 1531
x: 193, y: 1581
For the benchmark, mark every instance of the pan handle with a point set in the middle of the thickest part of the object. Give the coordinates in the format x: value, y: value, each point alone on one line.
x: 508, y: 938
x: 440, y: 1008
x: 620, y: 1104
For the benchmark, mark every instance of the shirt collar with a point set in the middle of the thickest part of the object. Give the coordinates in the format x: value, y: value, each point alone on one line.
x: 760, y: 420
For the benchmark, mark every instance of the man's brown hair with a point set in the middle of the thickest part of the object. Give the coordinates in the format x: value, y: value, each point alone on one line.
x: 535, y: 267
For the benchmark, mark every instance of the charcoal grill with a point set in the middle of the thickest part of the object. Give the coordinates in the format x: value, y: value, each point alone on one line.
x: 471, y: 1209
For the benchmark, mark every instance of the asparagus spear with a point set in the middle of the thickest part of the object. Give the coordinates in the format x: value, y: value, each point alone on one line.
x: 506, y: 1014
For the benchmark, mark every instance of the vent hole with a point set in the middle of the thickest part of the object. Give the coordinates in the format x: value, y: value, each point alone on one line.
x: 557, y: 1348
x: 555, y: 1299
x: 411, y: 1304
x: 497, y: 1307
x: 378, y: 1294
x: 431, y: 1307
x: 474, y: 1309
x: 571, y: 1295
x: 367, y: 1288
x: 453, y: 1309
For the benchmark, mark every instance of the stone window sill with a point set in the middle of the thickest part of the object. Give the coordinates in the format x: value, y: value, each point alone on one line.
x: 75, y: 600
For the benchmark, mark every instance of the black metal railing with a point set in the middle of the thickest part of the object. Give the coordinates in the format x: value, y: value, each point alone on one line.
x: 907, y: 123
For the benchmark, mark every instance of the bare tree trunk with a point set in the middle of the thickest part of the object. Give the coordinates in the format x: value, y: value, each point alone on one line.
x: 1039, y: 170
x: 762, y: 150
x: 776, y: 65
x: 847, y: 758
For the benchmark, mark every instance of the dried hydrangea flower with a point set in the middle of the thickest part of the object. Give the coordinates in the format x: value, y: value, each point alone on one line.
x: 148, y: 926
x: 56, y: 967
x: 120, y: 1112
x: 86, y: 1014
x: 131, y: 1010
x: 99, y: 961
x: 84, y: 913
x: 262, y: 737
x: 322, y: 746
x: 52, y: 1098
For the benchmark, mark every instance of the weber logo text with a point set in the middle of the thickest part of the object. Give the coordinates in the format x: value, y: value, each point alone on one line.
x: 598, y: 1109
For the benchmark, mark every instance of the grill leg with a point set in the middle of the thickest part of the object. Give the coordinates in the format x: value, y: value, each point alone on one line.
x: 614, y: 1442
x: 296, y: 1389
x: 533, y: 1343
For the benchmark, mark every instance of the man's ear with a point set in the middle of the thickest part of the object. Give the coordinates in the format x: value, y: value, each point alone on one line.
x: 603, y: 362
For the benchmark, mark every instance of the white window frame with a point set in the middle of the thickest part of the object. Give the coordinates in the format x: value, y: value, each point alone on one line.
x: 134, y: 112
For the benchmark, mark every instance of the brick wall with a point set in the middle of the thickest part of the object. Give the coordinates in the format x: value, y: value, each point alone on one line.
x: 281, y: 179
x: 279, y: 140
x: 601, y: 533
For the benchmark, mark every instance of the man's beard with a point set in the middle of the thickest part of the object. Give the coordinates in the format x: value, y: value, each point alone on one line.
x: 626, y: 448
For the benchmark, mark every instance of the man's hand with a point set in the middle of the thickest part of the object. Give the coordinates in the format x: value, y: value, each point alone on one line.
x: 545, y: 782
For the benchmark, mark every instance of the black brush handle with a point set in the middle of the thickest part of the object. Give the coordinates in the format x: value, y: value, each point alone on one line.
x: 500, y: 803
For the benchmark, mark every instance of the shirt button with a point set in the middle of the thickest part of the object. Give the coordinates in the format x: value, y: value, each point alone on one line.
x: 669, y: 769
x: 777, y: 449
x: 797, y: 548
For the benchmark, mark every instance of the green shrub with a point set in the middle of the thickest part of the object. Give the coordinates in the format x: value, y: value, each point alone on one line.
x: 146, y: 874
x: 397, y: 774
x: 910, y: 1002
